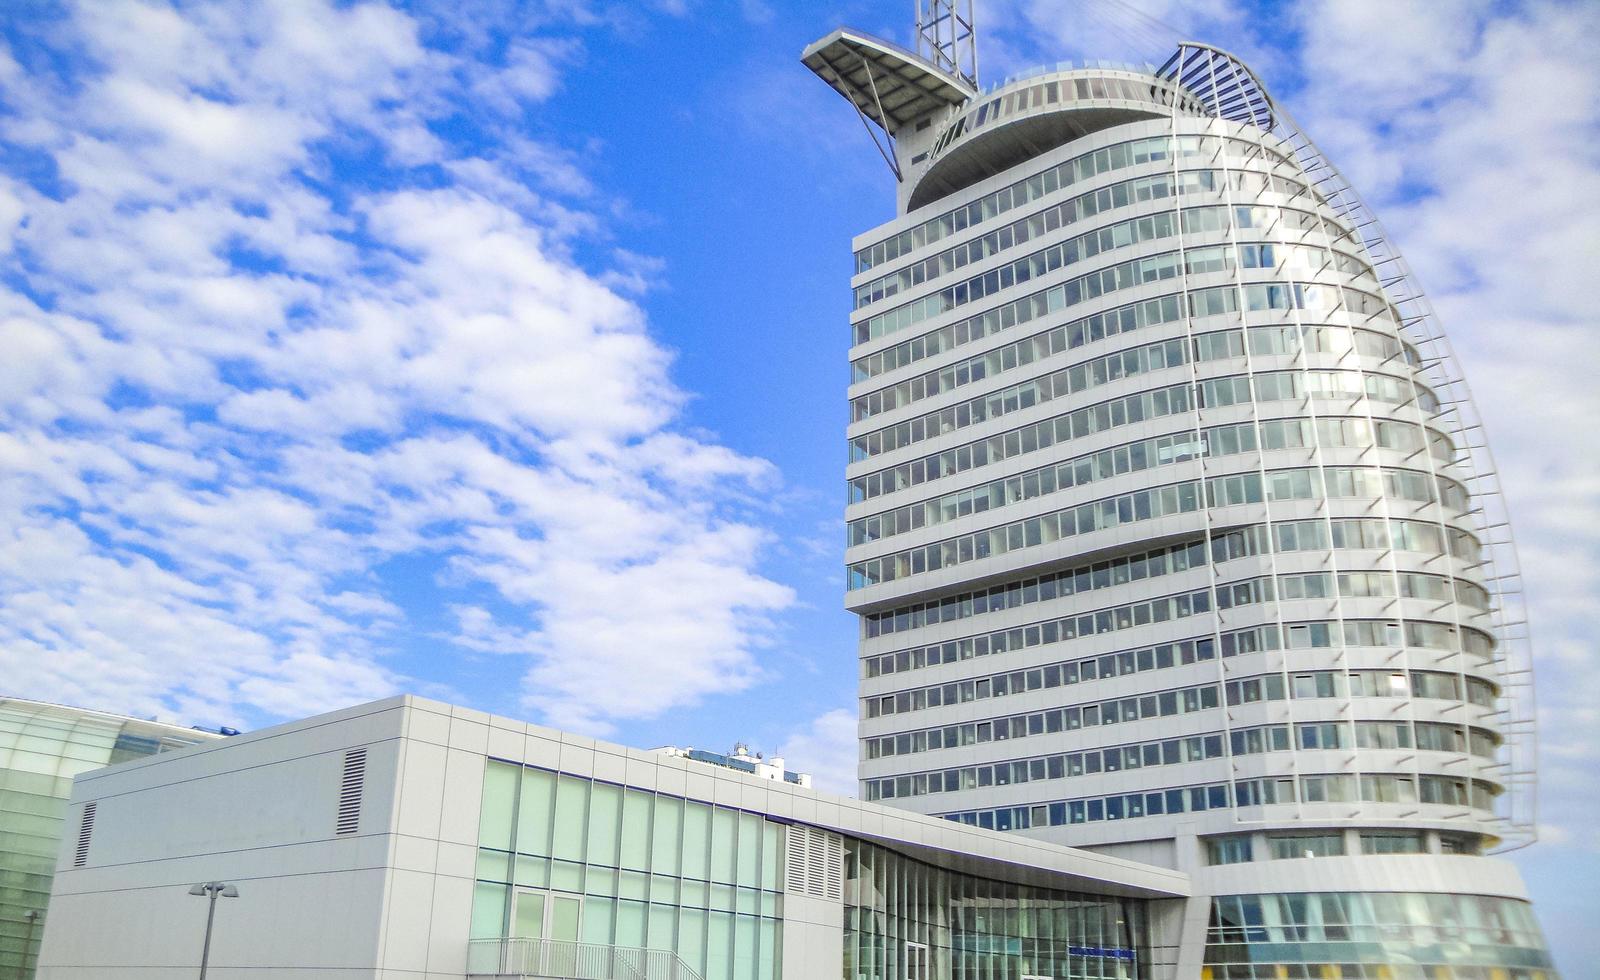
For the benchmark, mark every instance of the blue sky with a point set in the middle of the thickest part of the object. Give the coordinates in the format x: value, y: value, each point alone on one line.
x: 497, y: 351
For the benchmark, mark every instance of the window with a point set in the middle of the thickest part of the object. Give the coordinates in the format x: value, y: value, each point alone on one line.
x: 1399, y: 842
x: 1229, y: 850
x: 1307, y: 845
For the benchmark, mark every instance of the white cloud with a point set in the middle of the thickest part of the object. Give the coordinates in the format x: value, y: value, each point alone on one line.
x: 827, y: 749
x: 240, y: 383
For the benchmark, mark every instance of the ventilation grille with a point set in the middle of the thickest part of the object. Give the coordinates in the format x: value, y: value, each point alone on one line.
x: 816, y: 863
x: 85, y: 831
x: 350, y: 786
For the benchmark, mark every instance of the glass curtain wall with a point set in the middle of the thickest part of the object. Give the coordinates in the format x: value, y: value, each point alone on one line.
x: 906, y: 918
x: 1374, y: 936
x: 42, y: 747
x: 566, y: 858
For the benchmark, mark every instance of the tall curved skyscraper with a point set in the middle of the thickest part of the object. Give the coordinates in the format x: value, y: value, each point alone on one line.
x: 1172, y: 532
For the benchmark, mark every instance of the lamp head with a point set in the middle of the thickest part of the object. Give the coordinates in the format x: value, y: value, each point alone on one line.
x: 221, y: 888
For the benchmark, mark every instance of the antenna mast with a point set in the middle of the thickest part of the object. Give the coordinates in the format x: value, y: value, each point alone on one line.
x: 945, y: 37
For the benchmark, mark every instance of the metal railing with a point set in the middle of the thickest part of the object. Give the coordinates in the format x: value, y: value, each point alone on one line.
x: 558, y: 960
x: 1228, y: 88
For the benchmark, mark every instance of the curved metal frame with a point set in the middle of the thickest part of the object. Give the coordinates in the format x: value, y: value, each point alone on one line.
x: 1230, y: 90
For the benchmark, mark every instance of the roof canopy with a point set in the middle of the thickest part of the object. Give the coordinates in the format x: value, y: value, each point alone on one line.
x: 886, y: 83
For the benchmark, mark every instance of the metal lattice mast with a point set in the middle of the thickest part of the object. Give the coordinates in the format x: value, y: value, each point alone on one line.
x: 946, y: 38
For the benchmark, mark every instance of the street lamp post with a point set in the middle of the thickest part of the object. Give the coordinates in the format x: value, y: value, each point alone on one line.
x: 31, y: 917
x: 211, y: 889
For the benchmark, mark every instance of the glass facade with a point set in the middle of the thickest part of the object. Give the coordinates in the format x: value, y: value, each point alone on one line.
x: 570, y: 859
x: 1382, y: 936
x: 906, y: 918
x: 42, y: 747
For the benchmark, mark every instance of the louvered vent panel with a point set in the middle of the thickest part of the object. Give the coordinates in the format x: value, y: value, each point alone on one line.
x: 350, y: 787
x: 816, y: 863
x: 85, y: 831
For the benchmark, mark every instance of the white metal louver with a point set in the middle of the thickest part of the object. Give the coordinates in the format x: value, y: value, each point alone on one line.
x: 351, y: 784
x: 815, y: 863
x: 85, y: 832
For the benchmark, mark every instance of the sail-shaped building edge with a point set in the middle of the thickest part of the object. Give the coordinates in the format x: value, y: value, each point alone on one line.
x: 1171, y: 528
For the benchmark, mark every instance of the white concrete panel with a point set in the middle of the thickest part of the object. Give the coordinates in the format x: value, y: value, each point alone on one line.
x: 449, y: 921
x: 407, y: 916
x: 505, y: 743
x: 422, y: 767
x: 462, y: 797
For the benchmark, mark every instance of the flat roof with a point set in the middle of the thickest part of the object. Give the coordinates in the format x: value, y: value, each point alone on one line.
x: 990, y: 854
x: 871, y: 72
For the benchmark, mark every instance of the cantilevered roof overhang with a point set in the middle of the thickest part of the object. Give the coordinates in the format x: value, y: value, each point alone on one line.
x: 886, y: 83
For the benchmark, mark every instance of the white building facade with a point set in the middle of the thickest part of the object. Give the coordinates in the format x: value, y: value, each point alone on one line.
x: 1171, y: 531
x: 412, y: 839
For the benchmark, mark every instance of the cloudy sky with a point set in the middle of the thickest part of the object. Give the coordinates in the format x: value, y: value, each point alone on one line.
x: 496, y: 351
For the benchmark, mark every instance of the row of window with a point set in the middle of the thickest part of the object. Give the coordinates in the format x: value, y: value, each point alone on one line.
x: 1326, y: 634
x: 1239, y: 848
x: 1432, y: 736
x: 1102, y: 416
x: 1315, y: 684
x: 1037, y: 225
x: 1270, y: 687
x: 1352, y: 585
x: 1432, y: 684
x: 1369, y: 533
x: 1159, y: 610
x: 1335, y: 788
x: 1124, y: 275
x: 1427, y: 927
x: 1051, y: 93
x: 1292, y: 535
x: 1036, y: 305
x: 1099, y: 417
x: 581, y: 821
x: 1307, y: 585
x: 1155, y: 502
x: 1154, y: 227
x: 1214, y: 392
x: 1191, y: 748
x: 1020, y: 638
x: 1264, y: 341
x: 1095, y: 327
x: 1346, y: 533
x: 1046, y: 182
x: 1134, y: 457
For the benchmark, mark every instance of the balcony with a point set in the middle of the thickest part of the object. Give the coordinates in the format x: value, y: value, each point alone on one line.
x: 550, y: 959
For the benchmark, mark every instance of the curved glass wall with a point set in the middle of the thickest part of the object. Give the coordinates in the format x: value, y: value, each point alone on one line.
x: 1300, y: 407
x: 906, y: 918
x: 1385, y: 936
x: 42, y: 746
x: 573, y: 860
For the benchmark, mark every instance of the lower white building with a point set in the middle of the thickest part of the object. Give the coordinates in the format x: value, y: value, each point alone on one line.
x: 408, y: 838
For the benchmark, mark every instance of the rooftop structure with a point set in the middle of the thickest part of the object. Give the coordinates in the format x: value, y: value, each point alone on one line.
x: 742, y: 759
